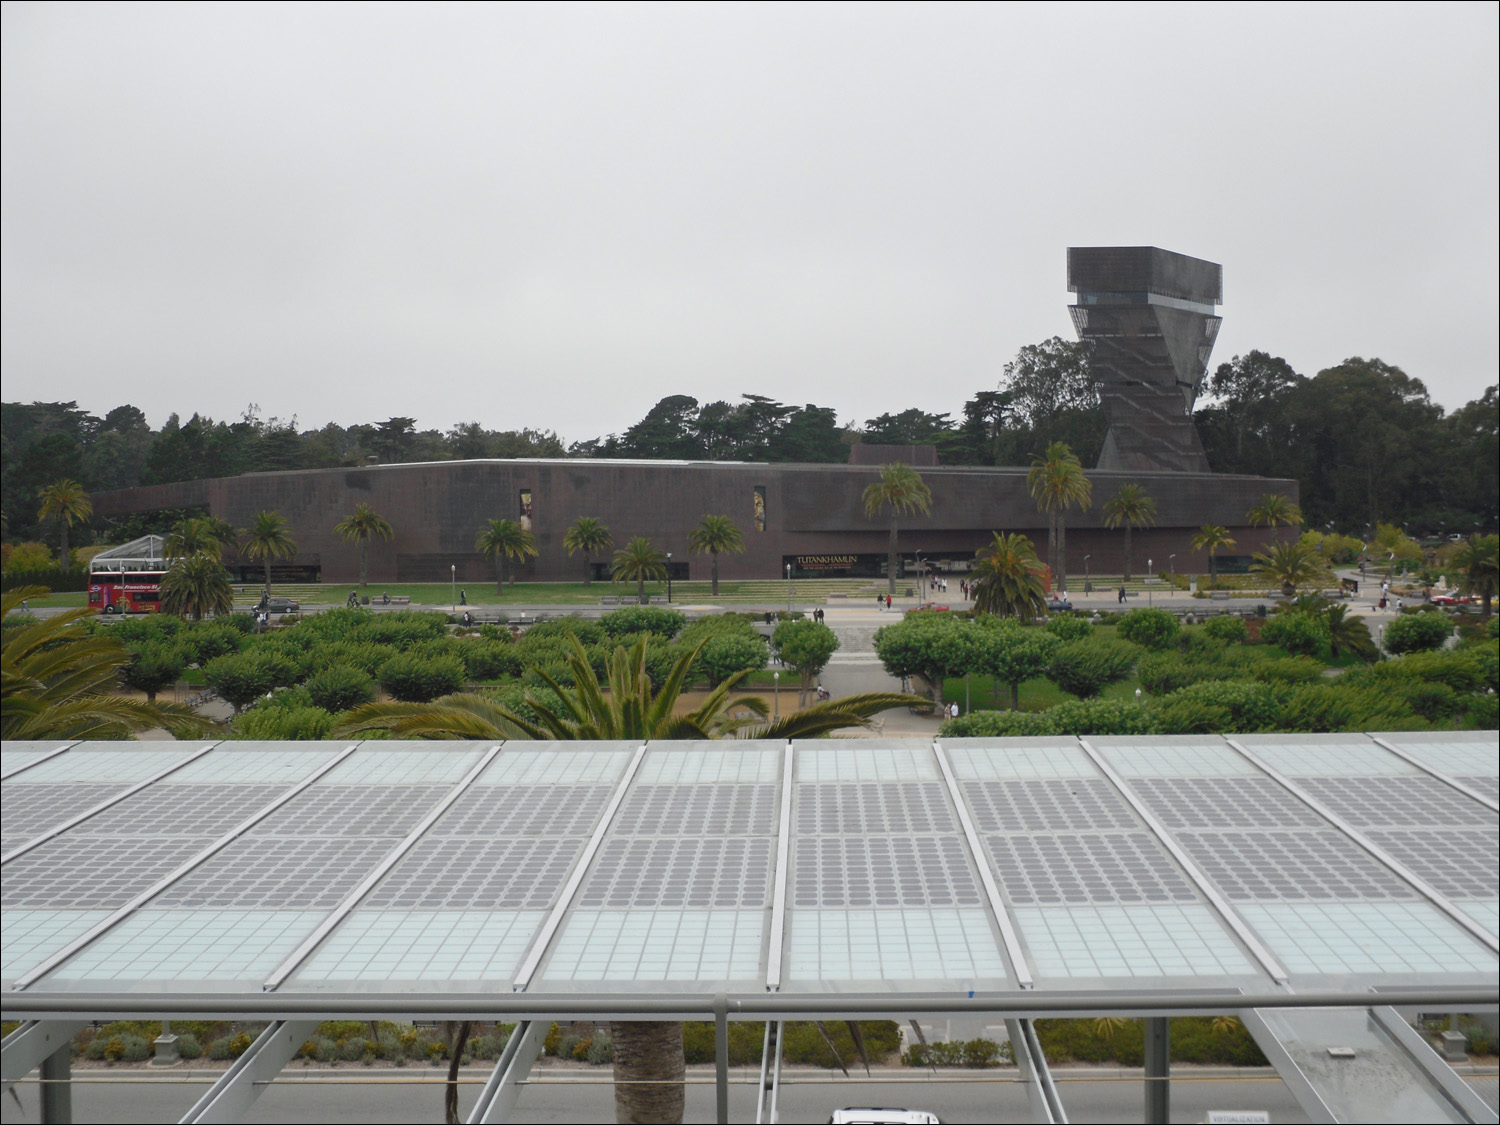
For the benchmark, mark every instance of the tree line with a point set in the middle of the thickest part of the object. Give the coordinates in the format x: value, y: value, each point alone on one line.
x: 1363, y: 439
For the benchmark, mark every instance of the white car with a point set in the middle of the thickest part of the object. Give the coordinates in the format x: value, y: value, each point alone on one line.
x: 868, y: 1115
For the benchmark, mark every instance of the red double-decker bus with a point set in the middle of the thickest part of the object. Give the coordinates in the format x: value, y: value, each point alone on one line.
x: 127, y: 579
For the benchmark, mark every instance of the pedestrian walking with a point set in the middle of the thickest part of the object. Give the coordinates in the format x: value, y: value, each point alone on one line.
x: 880, y: 602
x: 463, y: 597
x: 887, y: 601
x: 1121, y: 598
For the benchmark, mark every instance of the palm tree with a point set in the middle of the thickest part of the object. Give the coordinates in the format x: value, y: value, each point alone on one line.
x: 713, y: 535
x: 901, y: 489
x: 590, y: 536
x: 636, y: 562
x: 269, y: 539
x: 60, y: 681
x: 1288, y: 565
x: 200, y: 535
x: 65, y: 501
x: 1133, y: 507
x: 196, y: 584
x: 1057, y: 483
x: 1007, y: 579
x: 1210, y: 538
x: 1351, y: 633
x: 649, y: 1070
x: 1477, y: 559
x: 505, y: 539
x: 358, y: 527
x: 1274, y: 509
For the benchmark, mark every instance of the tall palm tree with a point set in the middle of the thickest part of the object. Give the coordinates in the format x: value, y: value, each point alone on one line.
x: 65, y: 501
x: 1274, y: 509
x: 1007, y: 579
x: 1478, y: 560
x: 1288, y: 565
x: 636, y: 562
x: 1210, y: 538
x: 269, y: 539
x: 196, y: 584
x: 715, y: 534
x: 1057, y: 482
x: 590, y: 536
x: 60, y: 681
x: 200, y: 535
x: 505, y: 539
x: 358, y: 527
x: 1133, y: 507
x: 649, y: 1071
x: 902, y: 490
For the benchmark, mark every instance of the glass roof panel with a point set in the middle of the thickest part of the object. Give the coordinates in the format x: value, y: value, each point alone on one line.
x: 1173, y: 757
x: 596, y: 763
x: 14, y: 755
x: 256, y: 763
x: 1343, y: 755
x: 907, y: 946
x: 377, y: 765
x: 192, y: 947
x: 1184, y: 939
x: 689, y: 946
x: 28, y: 937
x: 1459, y: 753
x: 99, y: 766
x: 973, y: 759
x: 1337, y: 938
x: 427, y: 946
x: 851, y: 760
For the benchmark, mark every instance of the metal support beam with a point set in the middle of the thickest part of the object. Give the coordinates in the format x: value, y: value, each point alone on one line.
x: 34, y: 1041
x: 1041, y: 1091
x: 57, y: 1087
x: 243, y: 1082
x: 1158, y: 1071
x: 721, y: 1059
x: 1442, y: 1076
x: 770, y: 1075
x: 503, y: 1087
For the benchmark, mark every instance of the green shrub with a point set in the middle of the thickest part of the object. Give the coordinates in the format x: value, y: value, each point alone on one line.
x: 1299, y: 633
x: 240, y: 678
x: 1154, y: 629
x: 1287, y: 670
x: 1099, y: 716
x: 1227, y: 628
x: 1434, y: 702
x: 229, y: 1046
x: 622, y: 623
x: 412, y: 678
x: 489, y: 660
x: 270, y: 723
x: 153, y: 667
x: 206, y: 641
x: 588, y: 632
x: 339, y: 687
x: 601, y: 1050
x: 1164, y: 672
x: 728, y: 653
x: 997, y: 724
x: 1069, y: 627
x: 1483, y: 713
x: 1237, y: 706
x: 1084, y: 667
x: 1418, y: 632
x: 189, y: 1046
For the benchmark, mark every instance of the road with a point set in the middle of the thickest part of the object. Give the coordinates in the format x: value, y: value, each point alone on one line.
x: 354, y: 1096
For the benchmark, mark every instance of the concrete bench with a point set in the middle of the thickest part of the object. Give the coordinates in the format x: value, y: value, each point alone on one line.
x: 610, y: 599
x: 395, y: 599
x: 1219, y: 595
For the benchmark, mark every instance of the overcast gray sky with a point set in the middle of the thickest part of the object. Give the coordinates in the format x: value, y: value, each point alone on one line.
x: 552, y: 216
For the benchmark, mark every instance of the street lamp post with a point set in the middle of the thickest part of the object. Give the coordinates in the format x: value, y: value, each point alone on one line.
x: 669, y: 577
x: 1088, y: 586
x: 1172, y: 562
x: 453, y: 587
x: 776, y: 692
x: 1150, y: 587
x: 789, y: 589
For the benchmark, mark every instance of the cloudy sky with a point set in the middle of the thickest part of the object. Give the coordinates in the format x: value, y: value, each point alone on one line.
x: 552, y: 216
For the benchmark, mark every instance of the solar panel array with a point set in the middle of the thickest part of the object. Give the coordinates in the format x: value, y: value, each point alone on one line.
x: 830, y: 865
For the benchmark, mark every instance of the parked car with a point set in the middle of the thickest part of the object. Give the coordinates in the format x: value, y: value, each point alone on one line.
x: 1450, y: 599
x: 278, y: 605
x: 934, y: 607
x: 1056, y: 604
